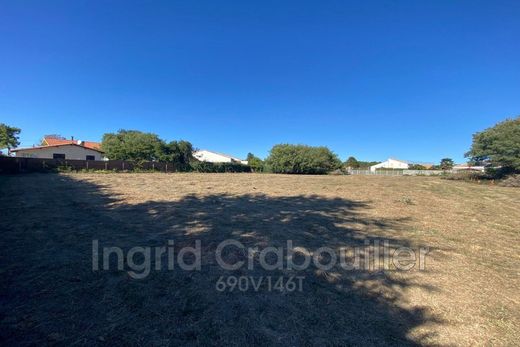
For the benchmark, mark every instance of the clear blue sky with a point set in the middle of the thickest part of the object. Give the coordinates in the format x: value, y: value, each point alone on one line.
x: 409, y: 79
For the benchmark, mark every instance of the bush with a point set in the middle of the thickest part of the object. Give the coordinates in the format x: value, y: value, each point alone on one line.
x: 466, y: 176
x: 511, y: 181
x: 501, y: 177
x: 301, y: 159
x: 201, y: 166
x: 256, y: 164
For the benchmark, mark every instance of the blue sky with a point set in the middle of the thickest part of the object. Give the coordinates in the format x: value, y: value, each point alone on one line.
x: 373, y: 79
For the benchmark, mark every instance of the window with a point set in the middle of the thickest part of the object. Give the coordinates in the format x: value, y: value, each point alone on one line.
x: 58, y: 156
x: 91, y: 157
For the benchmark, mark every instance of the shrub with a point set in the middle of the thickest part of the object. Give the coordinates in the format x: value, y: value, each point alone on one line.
x: 511, y: 181
x: 301, y: 159
x: 256, y: 164
x: 201, y: 166
x: 467, y: 176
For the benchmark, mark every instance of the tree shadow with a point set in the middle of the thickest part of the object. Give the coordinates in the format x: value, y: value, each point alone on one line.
x: 50, y: 293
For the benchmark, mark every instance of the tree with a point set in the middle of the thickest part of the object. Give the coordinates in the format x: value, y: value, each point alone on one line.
x: 256, y: 164
x: 416, y: 167
x: 447, y: 164
x: 301, y: 159
x: 132, y: 145
x: 498, y: 145
x: 352, y: 163
x: 180, y: 152
x: 139, y: 146
x: 9, y: 136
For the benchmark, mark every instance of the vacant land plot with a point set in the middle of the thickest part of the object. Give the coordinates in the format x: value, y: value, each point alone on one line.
x: 467, y: 294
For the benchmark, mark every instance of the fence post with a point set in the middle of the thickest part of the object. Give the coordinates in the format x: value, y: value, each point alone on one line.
x: 123, y: 165
x: 86, y: 162
x: 166, y: 167
x: 106, y: 165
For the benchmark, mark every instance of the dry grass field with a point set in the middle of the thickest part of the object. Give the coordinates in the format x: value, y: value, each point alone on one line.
x: 468, y: 293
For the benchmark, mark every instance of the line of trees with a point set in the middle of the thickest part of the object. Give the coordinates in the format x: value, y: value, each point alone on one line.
x: 498, y: 147
x: 140, y: 146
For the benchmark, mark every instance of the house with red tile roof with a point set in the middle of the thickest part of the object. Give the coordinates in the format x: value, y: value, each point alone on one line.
x: 53, y: 147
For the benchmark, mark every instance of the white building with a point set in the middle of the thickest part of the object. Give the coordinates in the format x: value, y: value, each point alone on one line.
x: 215, y: 157
x: 390, y: 163
x: 71, y: 151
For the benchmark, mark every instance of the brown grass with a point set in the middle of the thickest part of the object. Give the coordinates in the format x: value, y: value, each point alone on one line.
x: 468, y: 294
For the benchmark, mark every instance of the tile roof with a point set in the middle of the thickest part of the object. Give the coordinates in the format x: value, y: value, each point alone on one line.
x: 51, y: 141
x: 58, y: 145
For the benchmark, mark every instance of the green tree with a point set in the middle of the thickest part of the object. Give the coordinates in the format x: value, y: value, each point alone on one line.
x: 352, y: 163
x: 256, y: 164
x: 301, y: 159
x: 9, y: 136
x: 133, y: 145
x: 499, y: 145
x: 179, y: 152
x: 138, y: 146
x: 447, y: 164
x: 416, y: 167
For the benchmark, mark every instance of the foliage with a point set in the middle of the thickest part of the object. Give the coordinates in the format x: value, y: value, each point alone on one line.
x: 367, y: 164
x: 447, y: 164
x: 302, y: 159
x: 179, y: 152
x: 138, y: 146
x: 352, y: 163
x: 9, y: 136
x: 511, y: 181
x: 132, y: 145
x: 201, y: 166
x: 416, y: 167
x: 256, y: 164
x: 467, y: 176
x: 499, y: 145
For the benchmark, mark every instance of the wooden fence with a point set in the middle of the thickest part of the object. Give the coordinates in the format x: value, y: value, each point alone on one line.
x: 19, y: 165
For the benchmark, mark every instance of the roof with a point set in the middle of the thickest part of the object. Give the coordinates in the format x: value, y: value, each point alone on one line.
x: 60, y: 145
x: 409, y: 162
x: 52, y: 141
x: 399, y: 160
x: 218, y: 153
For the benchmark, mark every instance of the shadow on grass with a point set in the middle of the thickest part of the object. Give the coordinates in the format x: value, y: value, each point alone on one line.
x: 51, y: 295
